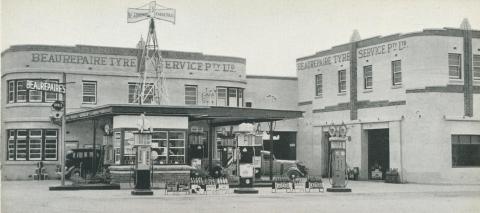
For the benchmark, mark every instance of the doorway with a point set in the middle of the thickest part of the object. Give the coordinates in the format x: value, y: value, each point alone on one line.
x: 378, y: 153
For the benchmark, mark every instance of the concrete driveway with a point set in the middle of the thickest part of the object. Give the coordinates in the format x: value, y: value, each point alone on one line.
x: 34, y: 196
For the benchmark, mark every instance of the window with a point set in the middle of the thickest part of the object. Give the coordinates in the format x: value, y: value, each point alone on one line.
x: 240, y: 97
x: 176, y: 147
x: 18, y: 93
x: 132, y: 96
x: 367, y: 77
x: 89, y: 92
x: 454, y: 66
x: 35, y: 95
x: 221, y: 96
x: 342, y: 81
x: 465, y: 150
x: 128, y: 150
x: 476, y: 67
x: 396, y: 72
x: 50, y: 144
x: 248, y: 104
x: 21, y: 91
x: 21, y: 147
x: 11, y: 145
x: 134, y: 92
x: 170, y: 146
x: 11, y: 91
x: 51, y: 96
x: 232, y: 97
x: 33, y: 144
x: 116, y: 146
x: 318, y: 85
x: 190, y: 94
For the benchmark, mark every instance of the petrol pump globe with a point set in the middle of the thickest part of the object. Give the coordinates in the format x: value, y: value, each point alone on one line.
x: 338, y: 159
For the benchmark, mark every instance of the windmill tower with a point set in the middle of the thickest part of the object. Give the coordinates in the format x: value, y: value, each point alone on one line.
x: 150, y: 87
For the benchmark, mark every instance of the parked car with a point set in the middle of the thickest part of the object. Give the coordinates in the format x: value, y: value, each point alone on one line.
x: 79, y: 163
x: 290, y: 168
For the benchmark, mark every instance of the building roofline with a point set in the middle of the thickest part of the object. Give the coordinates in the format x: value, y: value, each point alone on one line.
x: 456, y: 32
x: 272, y: 77
x: 121, y: 51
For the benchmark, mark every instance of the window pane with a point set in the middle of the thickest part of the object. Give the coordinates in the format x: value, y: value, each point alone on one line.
x: 367, y: 76
x: 51, y: 144
x: 21, y: 91
x: 476, y: 67
x: 51, y: 133
x: 454, y: 66
x: 176, y: 143
x: 454, y: 71
x: 464, y: 139
x: 240, y: 97
x: 176, y: 135
x: 454, y: 59
x: 11, y: 145
x: 89, y: 92
x: 465, y: 150
x: 342, y: 83
x: 11, y: 91
x: 191, y: 95
x: 476, y: 72
x: 396, y: 72
x: 132, y: 88
x: 51, y: 96
x: 35, y: 133
x: 35, y: 95
x: 318, y: 85
x: 475, y: 139
x: 221, y: 96
x: 21, y: 133
x: 21, y: 149
x: 397, y: 78
x: 232, y: 97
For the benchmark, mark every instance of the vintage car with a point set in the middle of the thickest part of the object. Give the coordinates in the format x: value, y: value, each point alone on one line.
x: 79, y: 163
x: 290, y: 168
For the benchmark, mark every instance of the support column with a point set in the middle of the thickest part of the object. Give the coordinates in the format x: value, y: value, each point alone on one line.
x: 94, y: 157
x: 353, y: 81
x: 211, y: 131
x: 271, y: 151
x: 468, y: 80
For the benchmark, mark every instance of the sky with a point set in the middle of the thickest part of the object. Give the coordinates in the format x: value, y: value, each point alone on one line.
x: 270, y: 34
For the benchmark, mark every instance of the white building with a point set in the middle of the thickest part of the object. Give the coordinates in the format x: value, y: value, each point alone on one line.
x: 410, y: 101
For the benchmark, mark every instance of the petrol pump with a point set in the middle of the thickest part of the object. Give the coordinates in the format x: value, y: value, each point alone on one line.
x: 338, y: 158
x: 142, y: 146
x: 245, y: 166
x: 108, y: 151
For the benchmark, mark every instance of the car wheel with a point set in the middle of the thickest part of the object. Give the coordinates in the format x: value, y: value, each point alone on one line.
x: 75, y: 176
x: 293, y: 174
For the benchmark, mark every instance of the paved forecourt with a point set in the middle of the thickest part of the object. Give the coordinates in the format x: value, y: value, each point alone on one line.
x: 34, y: 196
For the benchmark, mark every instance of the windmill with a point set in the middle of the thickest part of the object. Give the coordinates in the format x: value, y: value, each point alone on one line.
x: 150, y: 87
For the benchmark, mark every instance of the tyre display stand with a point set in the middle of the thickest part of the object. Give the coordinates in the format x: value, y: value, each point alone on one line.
x: 209, y: 186
x: 282, y: 183
x: 314, y: 182
x: 176, y: 187
x: 297, y: 184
